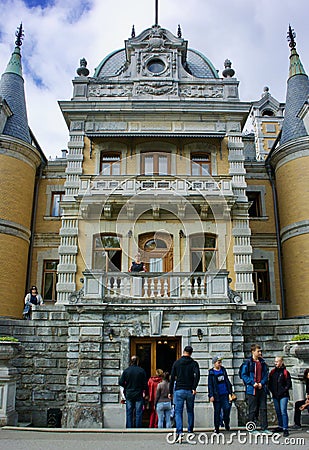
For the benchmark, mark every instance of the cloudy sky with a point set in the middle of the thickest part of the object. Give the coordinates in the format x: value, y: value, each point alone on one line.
x: 58, y: 33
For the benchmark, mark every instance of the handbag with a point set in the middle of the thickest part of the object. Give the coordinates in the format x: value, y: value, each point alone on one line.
x: 232, y: 397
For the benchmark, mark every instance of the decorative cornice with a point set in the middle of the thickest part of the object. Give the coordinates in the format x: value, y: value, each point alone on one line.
x: 294, y: 229
x: 289, y: 151
x: 14, y: 229
x: 19, y: 149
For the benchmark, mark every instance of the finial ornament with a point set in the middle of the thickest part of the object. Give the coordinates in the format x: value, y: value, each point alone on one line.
x: 133, y: 32
x: 228, y: 72
x: 82, y: 71
x: 19, y: 35
x: 291, y: 37
x: 179, y: 32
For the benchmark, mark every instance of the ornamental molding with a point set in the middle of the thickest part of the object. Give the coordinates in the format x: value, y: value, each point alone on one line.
x: 156, y: 88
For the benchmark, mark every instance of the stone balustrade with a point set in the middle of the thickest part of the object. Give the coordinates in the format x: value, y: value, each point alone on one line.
x: 209, y: 287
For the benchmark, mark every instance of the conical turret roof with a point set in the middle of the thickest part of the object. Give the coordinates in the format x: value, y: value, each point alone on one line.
x: 12, y: 90
x: 297, y: 94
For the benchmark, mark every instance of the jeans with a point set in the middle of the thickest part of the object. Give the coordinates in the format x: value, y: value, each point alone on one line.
x: 180, y: 397
x: 257, y: 407
x: 130, y: 406
x: 281, y: 407
x: 164, y: 412
x: 224, y: 404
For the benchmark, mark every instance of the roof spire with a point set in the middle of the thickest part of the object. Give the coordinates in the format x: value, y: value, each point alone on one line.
x: 296, y: 67
x: 12, y: 90
x: 296, y: 95
x: 19, y: 35
x: 156, y: 11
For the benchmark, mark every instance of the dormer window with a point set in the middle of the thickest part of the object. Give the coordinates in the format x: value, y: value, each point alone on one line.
x: 156, y: 66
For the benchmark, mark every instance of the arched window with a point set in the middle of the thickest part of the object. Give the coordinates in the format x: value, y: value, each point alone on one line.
x: 107, y: 253
x: 203, y: 248
x: 200, y: 164
x: 110, y: 163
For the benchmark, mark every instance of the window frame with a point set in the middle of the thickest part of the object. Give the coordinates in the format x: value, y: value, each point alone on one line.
x: 204, y: 251
x: 156, y: 163
x: 115, y: 160
x: 199, y: 163
x: 54, y: 281
x: 56, y: 205
x: 261, y: 191
x: 266, y: 288
x: 106, y: 250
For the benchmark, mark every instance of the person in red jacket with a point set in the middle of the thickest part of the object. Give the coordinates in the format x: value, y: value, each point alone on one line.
x: 152, y: 388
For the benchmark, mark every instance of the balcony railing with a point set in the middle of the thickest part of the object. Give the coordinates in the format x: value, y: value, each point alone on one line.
x: 129, y: 185
x: 123, y: 287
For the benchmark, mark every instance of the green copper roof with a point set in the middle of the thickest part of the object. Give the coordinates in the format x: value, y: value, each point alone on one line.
x: 14, y: 65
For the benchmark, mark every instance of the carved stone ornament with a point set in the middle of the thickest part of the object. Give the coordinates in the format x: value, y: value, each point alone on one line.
x: 156, y: 39
x: 201, y: 91
x: 156, y: 88
x: 110, y: 90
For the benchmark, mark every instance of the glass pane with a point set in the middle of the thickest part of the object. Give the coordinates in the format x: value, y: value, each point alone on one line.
x: 196, y: 260
x: 210, y: 242
x: 162, y: 165
x: 210, y: 260
x: 56, y: 210
x: 148, y: 165
x: 100, y: 260
x: 110, y: 242
x: 51, y: 265
x: 195, y: 169
x: 116, y: 168
x: 114, y: 260
x: 48, y: 286
x: 106, y: 168
x: 155, y: 265
x: 205, y: 168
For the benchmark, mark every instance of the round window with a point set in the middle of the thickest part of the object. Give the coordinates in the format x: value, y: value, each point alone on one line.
x: 156, y: 66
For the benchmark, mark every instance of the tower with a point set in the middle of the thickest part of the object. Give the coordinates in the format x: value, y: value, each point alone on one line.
x: 19, y: 161
x: 290, y: 162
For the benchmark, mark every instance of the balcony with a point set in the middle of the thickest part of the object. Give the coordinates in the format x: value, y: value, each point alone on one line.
x: 128, y: 185
x: 123, y: 287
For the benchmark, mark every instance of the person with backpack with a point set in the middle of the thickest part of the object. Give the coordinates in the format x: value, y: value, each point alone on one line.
x: 219, y: 389
x: 254, y: 373
x: 279, y: 383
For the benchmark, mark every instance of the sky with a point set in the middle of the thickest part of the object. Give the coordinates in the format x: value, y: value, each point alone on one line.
x: 58, y: 33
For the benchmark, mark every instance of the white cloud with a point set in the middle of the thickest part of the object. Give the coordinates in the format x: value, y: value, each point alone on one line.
x: 251, y: 34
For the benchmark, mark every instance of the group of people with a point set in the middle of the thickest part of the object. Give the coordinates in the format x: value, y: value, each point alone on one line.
x: 180, y: 387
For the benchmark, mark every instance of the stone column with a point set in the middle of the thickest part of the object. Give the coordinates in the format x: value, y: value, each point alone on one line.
x: 241, y: 230
x: 68, y: 249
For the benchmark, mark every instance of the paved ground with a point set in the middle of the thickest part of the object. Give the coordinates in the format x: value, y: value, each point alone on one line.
x: 51, y: 439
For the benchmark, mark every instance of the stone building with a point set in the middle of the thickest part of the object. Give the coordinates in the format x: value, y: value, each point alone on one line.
x: 158, y: 164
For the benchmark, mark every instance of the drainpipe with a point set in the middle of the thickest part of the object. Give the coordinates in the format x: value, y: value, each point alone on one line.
x: 33, y: 221
x: 271, y: 176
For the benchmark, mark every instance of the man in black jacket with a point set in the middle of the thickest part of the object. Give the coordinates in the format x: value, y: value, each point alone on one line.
x: 134, y: 382
x: 186, y: 376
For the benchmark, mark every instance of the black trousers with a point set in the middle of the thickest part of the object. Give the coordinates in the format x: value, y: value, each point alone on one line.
x: 297, y: 412
x: 258, y: 407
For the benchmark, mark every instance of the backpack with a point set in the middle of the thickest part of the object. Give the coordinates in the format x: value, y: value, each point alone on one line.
x: 285, y: 373
x: 243, y: 364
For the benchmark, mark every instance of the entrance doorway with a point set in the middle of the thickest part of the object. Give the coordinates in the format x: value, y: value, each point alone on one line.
x: 156, y: 353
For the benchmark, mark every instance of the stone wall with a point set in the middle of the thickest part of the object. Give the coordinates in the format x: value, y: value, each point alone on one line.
x: 67, y: 360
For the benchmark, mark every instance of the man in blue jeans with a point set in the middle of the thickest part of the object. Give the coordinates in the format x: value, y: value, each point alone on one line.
x: 185, y: 376
x: 134, y: 382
